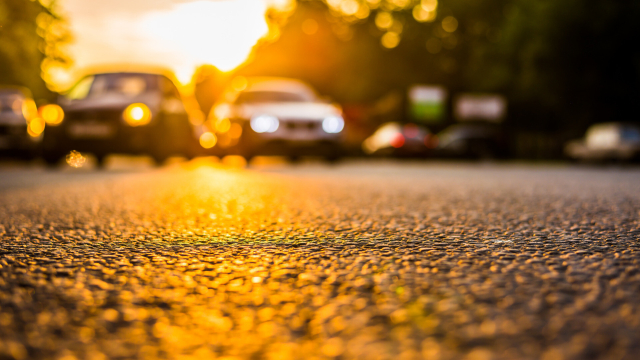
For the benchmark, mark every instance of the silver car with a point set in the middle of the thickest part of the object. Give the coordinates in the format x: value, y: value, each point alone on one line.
x: 275, y: 116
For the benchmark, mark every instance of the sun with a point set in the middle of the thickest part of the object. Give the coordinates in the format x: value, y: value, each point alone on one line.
x: 179, y: 35
x: 220, y: 33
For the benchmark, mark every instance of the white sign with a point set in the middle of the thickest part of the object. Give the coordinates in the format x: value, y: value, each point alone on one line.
x: 427, y: 103
x: 490, y: 107
x: 423, y: 93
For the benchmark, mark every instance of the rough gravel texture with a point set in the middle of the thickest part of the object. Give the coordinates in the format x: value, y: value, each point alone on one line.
x: 359, y: 261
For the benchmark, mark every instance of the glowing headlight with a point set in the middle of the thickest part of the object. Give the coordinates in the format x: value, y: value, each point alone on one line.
x: 52, y: 114
x: 264, y: 123
x: 137, y: 114
x: 333, y: 124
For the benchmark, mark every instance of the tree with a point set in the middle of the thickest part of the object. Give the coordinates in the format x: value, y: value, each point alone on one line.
x: 32, y: 36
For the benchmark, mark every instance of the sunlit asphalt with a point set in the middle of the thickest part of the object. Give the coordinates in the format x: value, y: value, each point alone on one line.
x: 361, y: 260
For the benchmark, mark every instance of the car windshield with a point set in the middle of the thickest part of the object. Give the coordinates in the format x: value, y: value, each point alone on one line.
x: 127, y: 84
x: 270, y: 97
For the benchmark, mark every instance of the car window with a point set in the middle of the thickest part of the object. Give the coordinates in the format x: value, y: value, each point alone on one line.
x: 269, y: 97
x: 81, y: 89
x: 129, y: 85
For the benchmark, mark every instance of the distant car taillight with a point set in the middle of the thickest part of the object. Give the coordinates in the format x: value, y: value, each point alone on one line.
x: 397, y: 141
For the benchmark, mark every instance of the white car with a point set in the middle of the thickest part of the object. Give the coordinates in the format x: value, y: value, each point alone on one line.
x: 275, y: 116
x: 607, y: 141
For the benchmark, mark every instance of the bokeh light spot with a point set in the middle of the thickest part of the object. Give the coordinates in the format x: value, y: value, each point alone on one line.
x: 36, y: 127
x: 208, y: 140
x: 449, y: 24
x: 239, y: 83
x: 390, y: 40
x: 422, y: 15
x: 52, y: 114
x: 384, y: 20
x: 223, y: 125
x: 429, y: 5
x: 75, y: 159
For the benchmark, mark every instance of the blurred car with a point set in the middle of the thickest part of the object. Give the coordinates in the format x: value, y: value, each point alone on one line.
x: 395, y: 139
x: 121, y: 112
x: 274, y: 116
x: 471, y: 141
x: 607, y: 141
x: 20, y: 127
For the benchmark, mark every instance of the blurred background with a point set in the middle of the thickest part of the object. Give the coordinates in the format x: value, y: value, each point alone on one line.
x: 529, y: 76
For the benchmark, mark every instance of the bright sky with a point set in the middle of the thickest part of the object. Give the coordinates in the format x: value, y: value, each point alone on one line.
x: 175, y: 34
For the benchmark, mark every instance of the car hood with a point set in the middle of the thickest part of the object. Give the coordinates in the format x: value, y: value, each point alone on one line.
x: 293, y: 110
x: 110, y: 101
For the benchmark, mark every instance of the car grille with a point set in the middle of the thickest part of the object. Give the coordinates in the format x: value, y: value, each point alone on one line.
x: 111, y: 116
x: 301, y: 125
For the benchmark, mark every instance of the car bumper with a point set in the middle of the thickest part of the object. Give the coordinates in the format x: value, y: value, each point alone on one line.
x: 120, y: 139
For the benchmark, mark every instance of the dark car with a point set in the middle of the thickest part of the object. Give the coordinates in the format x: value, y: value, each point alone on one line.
x: 395, y: 139
x: 471, y: 141
x: 125, y: 113
x: 20, y: 127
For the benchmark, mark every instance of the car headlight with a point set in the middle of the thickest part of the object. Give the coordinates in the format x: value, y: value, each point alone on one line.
x: 264, y: 123
x: 333, y: 124
x: 137, y: 114
x: 52, y: 114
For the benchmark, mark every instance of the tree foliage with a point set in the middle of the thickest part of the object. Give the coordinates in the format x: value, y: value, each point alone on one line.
x: 31, y: 44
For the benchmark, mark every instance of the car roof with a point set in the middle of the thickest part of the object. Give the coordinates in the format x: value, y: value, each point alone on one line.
x: 126, y: 73
x: 265, y: 83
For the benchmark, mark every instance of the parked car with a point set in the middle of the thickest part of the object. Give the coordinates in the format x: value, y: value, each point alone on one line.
x: 121, y: 112
x: 20, y: 127
x: 274, y: 116
x: 471, y: 141
x: 395, y: 139
x: 607, y: 141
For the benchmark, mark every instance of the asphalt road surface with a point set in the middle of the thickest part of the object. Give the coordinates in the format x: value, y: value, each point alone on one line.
x: 355, y: 261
